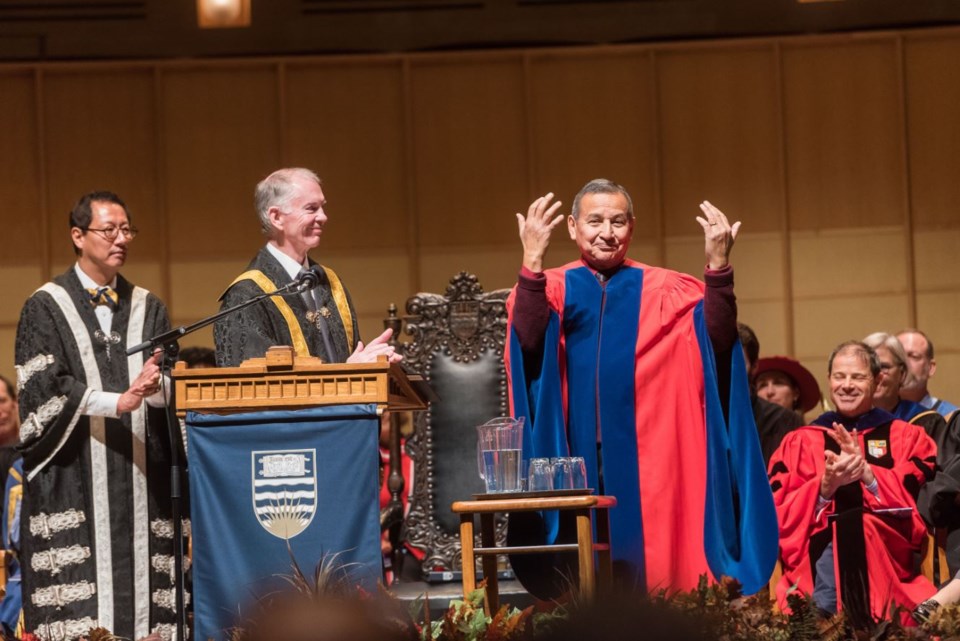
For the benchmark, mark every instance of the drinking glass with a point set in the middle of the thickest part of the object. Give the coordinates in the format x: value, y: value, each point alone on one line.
x: 540, y: 477
x: 563, y: 473
x: 579, y: 472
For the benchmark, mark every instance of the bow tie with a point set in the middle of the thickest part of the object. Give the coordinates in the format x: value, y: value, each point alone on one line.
x: 103, y: 296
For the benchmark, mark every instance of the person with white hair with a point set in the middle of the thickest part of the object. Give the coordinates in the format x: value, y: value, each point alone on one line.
x: 895, y: 374
x: 320, y: 322
x: 938, y: 499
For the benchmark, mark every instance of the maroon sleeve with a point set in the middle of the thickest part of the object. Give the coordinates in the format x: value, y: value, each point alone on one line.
x: 720, y: 308
x: 530, y: 310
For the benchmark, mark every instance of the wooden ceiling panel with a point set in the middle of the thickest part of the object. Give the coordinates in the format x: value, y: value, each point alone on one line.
x: 100, y: 133
x: 346, y: 123
x: 221, y: 137
x: 58, y: 11
x: 19, y: 175
x: 470, y: 150
x: 593, y: 117
x: 311, y: 7
x: 720, y: 136
x: 933, y: 93
x: 845, y: 160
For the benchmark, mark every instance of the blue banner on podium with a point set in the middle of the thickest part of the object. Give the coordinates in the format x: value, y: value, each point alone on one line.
x: 261, y: 480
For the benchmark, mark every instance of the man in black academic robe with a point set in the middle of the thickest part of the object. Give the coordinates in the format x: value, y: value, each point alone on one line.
x: 96, y: 530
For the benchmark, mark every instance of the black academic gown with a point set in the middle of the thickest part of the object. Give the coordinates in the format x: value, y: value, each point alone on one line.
x: 773, y: 423
x: 249, y: 332
x: 96, y: 530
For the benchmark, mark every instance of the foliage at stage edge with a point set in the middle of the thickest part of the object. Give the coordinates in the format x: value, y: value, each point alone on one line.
x: 716, y: 612
x: 466, y: 620
x: 711, y: 612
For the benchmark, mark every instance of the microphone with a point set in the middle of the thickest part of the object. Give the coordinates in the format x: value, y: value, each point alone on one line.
x: 308, y: 279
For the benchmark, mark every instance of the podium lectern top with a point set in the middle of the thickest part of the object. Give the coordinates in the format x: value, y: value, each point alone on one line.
x: 282, y: 380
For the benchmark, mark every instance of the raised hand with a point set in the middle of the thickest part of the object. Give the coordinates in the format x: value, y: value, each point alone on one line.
x: 380, y: 346
x: 536, y: 228
x: 719, y: 235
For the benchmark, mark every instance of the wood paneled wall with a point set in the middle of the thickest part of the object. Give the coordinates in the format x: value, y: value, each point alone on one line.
x: 839, y: 154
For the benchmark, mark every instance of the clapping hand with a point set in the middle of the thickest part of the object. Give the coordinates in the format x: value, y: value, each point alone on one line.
x: 849, y: 443
x: 380, y: 346
x: 839, y: 470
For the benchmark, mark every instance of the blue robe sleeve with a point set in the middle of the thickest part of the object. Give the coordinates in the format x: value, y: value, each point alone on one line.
x: 741, y: 534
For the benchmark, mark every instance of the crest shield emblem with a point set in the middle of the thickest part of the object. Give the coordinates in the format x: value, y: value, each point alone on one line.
x: 284, y: 484
x: 877, y: 448
x: 464, y: 318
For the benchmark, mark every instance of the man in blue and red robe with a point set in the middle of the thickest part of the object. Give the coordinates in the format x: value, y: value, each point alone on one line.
x: 616, y: 361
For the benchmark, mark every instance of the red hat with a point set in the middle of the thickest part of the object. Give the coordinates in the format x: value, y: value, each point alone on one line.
x: 805, y: 381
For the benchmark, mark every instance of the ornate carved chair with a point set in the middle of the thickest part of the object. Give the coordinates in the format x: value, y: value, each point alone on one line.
x: 457, y: 345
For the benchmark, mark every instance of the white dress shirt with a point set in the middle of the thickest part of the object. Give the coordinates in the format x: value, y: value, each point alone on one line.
x: 100, y: 403
x: 289, y: 265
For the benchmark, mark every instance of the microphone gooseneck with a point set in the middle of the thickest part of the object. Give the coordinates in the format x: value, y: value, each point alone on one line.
x: 308, y: 279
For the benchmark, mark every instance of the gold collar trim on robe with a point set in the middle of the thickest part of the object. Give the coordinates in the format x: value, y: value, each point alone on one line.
x: 264, y: 283
x: 340, y: 298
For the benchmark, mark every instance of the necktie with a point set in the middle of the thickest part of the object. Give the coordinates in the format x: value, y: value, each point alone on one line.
x: 103, y: 296
x: 313, y: 303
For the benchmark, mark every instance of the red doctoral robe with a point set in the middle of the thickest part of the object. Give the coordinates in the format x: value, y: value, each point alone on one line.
x: 883, y: 545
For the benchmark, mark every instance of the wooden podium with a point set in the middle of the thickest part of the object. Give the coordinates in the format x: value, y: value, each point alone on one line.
x: 283, y: 381
x: 283, y: 465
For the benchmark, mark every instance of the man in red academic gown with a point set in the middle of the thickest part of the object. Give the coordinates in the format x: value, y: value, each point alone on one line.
x: 845, y: 490
x: 637, y: 369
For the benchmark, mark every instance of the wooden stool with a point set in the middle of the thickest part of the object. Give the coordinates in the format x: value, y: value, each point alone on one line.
x: 582, y: 507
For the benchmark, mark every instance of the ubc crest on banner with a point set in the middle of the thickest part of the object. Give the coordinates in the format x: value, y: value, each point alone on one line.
x: 284, y: 490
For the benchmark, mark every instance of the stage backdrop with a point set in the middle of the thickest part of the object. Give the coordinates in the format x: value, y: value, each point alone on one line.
x: 838, y: 153
x: 261, y: 481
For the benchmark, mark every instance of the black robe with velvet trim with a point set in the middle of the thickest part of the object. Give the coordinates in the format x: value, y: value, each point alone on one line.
x: 249, y: 332
x: 96, y: 530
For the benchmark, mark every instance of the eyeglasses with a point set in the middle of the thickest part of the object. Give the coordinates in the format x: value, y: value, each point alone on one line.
x: 886, y: 368
x: 111, y: 233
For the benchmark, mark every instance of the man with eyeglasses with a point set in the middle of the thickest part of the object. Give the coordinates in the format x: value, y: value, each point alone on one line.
x: 938, y: 500
x: 845, y: 488
x: 320, y: 322
x: 96, y: 531
x: 894, y: 376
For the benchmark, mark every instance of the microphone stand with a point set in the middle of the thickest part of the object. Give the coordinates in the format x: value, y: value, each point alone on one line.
x: 171, y: 348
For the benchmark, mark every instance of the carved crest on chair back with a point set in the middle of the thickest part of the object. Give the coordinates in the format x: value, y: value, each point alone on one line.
x: 464, y: 322
x: 457, y: 344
